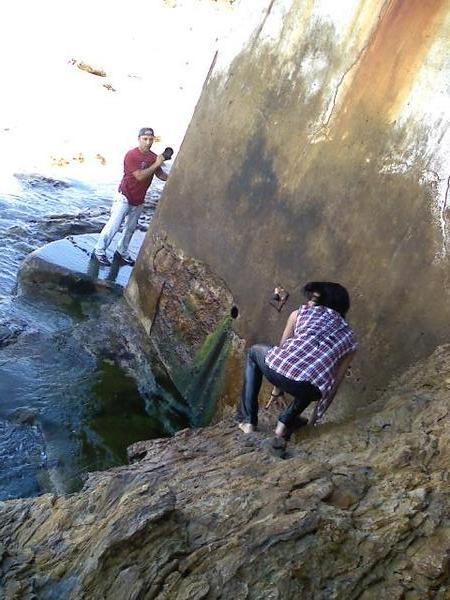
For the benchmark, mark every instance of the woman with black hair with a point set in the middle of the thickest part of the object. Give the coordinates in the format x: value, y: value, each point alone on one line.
x: 315, y: 351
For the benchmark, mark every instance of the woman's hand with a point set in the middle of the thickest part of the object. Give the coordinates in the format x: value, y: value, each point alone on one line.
x: 275, y: 395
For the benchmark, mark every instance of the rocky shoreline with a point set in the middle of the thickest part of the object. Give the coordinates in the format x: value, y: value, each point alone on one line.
x: 358, y: 509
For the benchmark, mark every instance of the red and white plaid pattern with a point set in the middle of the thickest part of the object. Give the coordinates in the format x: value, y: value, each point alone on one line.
x: 321, y: 338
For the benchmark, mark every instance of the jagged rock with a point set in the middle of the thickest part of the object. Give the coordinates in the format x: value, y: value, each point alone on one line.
x: 89, y: 69
x: 10, y: 331
x: 56, y: 227
x: 23, y: 462
x: 23, y: 416
x: 35, y: 180
x: 360, y: 509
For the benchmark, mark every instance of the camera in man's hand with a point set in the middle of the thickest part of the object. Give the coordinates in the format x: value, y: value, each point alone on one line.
x: 168, y: 153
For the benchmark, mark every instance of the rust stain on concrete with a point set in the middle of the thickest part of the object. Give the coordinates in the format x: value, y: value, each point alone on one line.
x: 393, y: 57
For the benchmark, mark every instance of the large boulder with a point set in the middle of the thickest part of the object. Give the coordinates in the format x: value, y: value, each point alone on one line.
x: 68, y: 264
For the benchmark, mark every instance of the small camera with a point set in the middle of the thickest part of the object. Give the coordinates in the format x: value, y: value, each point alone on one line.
x: 279, y: 297
x: 168, y: 152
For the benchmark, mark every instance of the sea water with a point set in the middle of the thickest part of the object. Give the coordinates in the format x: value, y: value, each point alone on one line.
x: 63, y: 410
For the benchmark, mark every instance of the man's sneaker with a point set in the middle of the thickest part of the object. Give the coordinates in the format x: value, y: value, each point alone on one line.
x: 125, y: 258
x: 102, y: 258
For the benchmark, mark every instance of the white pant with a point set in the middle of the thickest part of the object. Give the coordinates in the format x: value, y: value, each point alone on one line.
x: 120, y: 209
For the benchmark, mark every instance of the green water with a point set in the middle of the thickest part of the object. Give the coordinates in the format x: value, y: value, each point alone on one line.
x: 120, y: 417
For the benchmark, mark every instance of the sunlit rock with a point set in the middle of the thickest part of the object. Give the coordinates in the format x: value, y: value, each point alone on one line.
x: 68, y: 264
x: 89, y: 69
x: 211, y: 514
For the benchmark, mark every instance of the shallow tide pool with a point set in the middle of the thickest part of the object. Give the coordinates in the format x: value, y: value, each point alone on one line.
x: 65, y: 409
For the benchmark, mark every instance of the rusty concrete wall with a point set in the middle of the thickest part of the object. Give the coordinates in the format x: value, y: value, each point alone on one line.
x: 319, y: 150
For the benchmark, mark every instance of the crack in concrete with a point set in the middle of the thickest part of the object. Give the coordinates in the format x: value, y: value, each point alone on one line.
x: 157, y: 305
x: 442, y: 221
x: 323, y: 127
x: 155, y: 254
x: 261, y: 27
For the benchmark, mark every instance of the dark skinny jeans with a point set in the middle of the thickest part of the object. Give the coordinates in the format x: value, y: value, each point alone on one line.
x: 304, y: 392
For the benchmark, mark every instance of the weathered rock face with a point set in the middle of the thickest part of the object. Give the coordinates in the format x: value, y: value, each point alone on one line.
x: 358, y: 510
x: 191, y: 321
x: 324, y: 139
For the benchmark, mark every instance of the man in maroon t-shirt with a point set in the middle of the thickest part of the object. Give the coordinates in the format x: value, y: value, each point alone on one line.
x: 140, y: 164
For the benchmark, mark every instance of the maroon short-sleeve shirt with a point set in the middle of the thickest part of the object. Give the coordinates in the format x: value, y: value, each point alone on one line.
x: 130, y: 187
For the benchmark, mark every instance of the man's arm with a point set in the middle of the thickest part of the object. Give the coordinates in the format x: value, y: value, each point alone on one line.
x: 340, y: 374
x: 143, y: 174
x: 160, y: 174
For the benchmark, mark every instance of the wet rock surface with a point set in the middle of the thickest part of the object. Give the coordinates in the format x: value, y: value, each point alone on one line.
x: 69, y: 264
x: 358, y: 509
x: 56, y: 227
x: 22, y: 447
x: 10, y: 330
x: 60, y: 225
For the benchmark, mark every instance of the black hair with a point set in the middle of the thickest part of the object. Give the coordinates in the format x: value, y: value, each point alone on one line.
x: 327, y: 293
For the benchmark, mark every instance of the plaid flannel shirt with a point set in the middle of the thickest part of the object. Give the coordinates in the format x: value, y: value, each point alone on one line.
x: 321, y: 338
